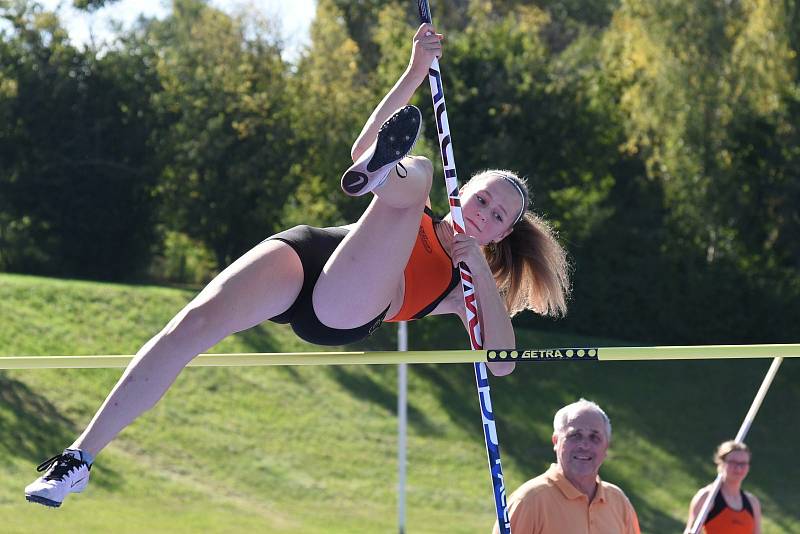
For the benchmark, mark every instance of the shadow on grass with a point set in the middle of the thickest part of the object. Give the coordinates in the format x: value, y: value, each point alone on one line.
x: 365, y: 387
x: 32, y: 428
x: 683, y: 408
x: 688, y: 408
x: 30, y: 425
x: 260, y: 339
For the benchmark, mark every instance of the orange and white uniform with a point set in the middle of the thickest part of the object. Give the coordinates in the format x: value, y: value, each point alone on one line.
x: 722, y: 519
x: 429, y: 275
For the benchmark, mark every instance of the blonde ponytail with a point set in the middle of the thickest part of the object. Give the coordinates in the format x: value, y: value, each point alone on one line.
x: 529, y: 266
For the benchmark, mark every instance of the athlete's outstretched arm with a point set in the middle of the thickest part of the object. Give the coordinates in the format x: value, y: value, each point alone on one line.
x: 498, y: 333
x: 425, y: 48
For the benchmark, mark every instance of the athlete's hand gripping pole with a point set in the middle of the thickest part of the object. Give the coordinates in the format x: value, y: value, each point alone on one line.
x: 470, y: 302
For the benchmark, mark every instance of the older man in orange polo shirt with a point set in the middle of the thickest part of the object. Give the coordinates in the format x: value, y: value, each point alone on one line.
x: 570, y: 498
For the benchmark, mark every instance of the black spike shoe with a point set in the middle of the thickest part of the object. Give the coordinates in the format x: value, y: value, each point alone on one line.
x: 395, y: 140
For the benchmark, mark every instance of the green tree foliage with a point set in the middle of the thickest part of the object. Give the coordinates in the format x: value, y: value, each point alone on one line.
x: 694, y: 78
x: 708, y: 91
x: 333, y: 101
x: 92, y: 5
x: 225, y: 144
x: 513, y: 104
x: 75, y: 166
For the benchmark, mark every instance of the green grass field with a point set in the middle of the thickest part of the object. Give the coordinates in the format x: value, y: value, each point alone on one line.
x: 313, y: 449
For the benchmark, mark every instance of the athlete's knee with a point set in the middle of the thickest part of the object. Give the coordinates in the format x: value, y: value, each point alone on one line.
x: 195, y: 319
x: 199, y: 322
x: 420, y: 171
x: 422, y: 167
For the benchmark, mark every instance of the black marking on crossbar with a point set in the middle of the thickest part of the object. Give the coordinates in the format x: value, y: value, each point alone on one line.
x: 543, y: 355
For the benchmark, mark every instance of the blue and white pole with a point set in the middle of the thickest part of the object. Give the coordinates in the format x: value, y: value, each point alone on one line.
x: 470, y: 302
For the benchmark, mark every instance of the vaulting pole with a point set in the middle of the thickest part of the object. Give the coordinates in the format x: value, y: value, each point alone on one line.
x: 470, y: 302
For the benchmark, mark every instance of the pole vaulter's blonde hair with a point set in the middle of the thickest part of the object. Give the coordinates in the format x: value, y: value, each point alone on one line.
x: 529, y: 266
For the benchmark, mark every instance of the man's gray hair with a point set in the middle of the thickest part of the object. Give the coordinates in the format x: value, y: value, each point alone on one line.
x: 562, y: 416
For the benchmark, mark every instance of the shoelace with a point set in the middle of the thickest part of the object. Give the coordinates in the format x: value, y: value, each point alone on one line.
x: 61, y: 464
x: 397, y: 169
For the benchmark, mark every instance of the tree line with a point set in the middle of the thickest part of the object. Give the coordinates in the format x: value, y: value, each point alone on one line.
x: 660, y: 138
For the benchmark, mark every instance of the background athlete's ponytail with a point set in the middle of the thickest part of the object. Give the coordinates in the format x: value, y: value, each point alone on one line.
x: 529, y: 266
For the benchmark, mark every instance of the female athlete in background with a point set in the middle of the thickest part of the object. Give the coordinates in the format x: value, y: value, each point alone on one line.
x: 734, y: 511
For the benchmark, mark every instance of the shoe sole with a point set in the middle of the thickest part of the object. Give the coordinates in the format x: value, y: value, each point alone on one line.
x: 395, y: 140
x: 42, y: 500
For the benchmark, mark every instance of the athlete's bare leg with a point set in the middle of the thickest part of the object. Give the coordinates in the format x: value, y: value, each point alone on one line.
x: 258, y: 286
x: 363, y: 275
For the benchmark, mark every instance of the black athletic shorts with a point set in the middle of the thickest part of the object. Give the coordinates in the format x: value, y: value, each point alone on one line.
x: 315, y: 246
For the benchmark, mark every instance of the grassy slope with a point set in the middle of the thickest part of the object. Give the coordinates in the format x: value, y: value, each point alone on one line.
x: 313, y: 449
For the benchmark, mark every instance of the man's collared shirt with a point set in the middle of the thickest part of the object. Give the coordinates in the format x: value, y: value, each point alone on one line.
x: 550, y: 504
